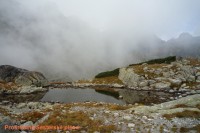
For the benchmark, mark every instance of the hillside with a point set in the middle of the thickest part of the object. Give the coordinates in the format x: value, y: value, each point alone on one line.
x: 169, y: 73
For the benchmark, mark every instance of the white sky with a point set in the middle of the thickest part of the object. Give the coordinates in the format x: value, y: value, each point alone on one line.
x: 165, y: 18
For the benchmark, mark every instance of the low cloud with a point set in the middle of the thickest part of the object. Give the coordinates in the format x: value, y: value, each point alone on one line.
x: 43, y: 38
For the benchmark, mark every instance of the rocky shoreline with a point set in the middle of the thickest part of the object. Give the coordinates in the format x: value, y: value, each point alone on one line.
x: 172, y: 91
x: 165, y: 117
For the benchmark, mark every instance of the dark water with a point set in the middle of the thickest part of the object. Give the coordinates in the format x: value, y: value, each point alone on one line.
x: 145, y: 97
x: 22, y: 97
x: 70, y: 95
x: 79, y: 95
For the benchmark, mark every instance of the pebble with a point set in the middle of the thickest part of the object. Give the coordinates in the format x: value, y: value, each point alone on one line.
x: 21, y: 105
x: 116, y: 114
x: 193, y: 92
x: 171, y: 98
x: 131, y: 125
x: 128, y: 118
x: 5, y: 102
x: 144, y: 117
x: 120, y: 97
x: 107, y: 112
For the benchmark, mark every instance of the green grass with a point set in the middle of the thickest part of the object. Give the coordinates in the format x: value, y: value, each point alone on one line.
x: 108, y: 73
x: 166, y: 60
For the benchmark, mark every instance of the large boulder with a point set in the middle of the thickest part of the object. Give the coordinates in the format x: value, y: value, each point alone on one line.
x: 21, y: 76
x: 129, y: 77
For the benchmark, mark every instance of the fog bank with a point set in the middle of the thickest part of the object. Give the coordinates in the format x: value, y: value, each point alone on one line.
x: 42, y: 36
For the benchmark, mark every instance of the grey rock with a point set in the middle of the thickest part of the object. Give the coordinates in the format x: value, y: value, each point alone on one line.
x: 145, y: 69
x: 168, y: 107
x: 116, y: 114
x: 144, y: 64
x: 21, y: 76
x: 120, y: 97
x: 151, y: 82
x: 127, y: 118
x: 198, y: 74
x: 162, y: 85
x: 21, y: 105
x: 193, y: 92
x: 129, y: 77
x: 171, y: 91
x: 131, y: 125
x: 166, y: 74
x: 28, y: 123
x: 175, y: 81
x: 186, y: 87
x: 183, y: 89
x: 31, y: 89
x: 183, y: 85
x: 5, y: 102
x: 191, y: 78
x: 143, y: 83
x: 158, y: 71
x: 171, y: 98
x: 145, y: 88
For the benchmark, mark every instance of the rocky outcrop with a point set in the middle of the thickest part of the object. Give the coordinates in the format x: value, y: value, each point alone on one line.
x: 187, y: 103
x: 180, y: 74
x: 129, y: 77
x: 21, y: 76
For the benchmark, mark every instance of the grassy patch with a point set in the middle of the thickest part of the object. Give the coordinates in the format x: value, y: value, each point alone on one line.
x: 194, y: 61
x: 166, y: 60
x: 198, y: 106
x: 174, y: 129
x: 5, y: 112
x: 180, y: 106
x: 59, y: 83
x: 192, y: 84
x: 105, y: 80
x: 184, y: 114
x: 138, y: 69
x: 118, y: 107
x: 78, y: 119
x: 8, y: 86
x: 184, y: 130
x: 32, y: 116
x: 108, y: 73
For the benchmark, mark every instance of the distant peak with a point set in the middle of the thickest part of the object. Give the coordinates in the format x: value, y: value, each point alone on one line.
x: 185, y: 35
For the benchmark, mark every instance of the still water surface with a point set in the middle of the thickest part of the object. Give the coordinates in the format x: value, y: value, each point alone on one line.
x: 79, y: 95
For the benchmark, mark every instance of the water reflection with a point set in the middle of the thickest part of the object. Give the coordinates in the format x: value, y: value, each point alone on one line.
x: 79, y: 95
x: 144, y: 97
x: 22, y: 97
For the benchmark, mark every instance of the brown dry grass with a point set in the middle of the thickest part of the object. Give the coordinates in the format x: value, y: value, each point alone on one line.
x: 191, y: 84
x: 31, y: 116
x: 180, y: 106
x: 105, y: 80
x: 184, y: 114
x: 138, y: 69
x: 57, y: 83
x: 77, y: 119
x: 118, y: 107
x: 185, y: 130
x: 8, y: 86
x: 194, y: 62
